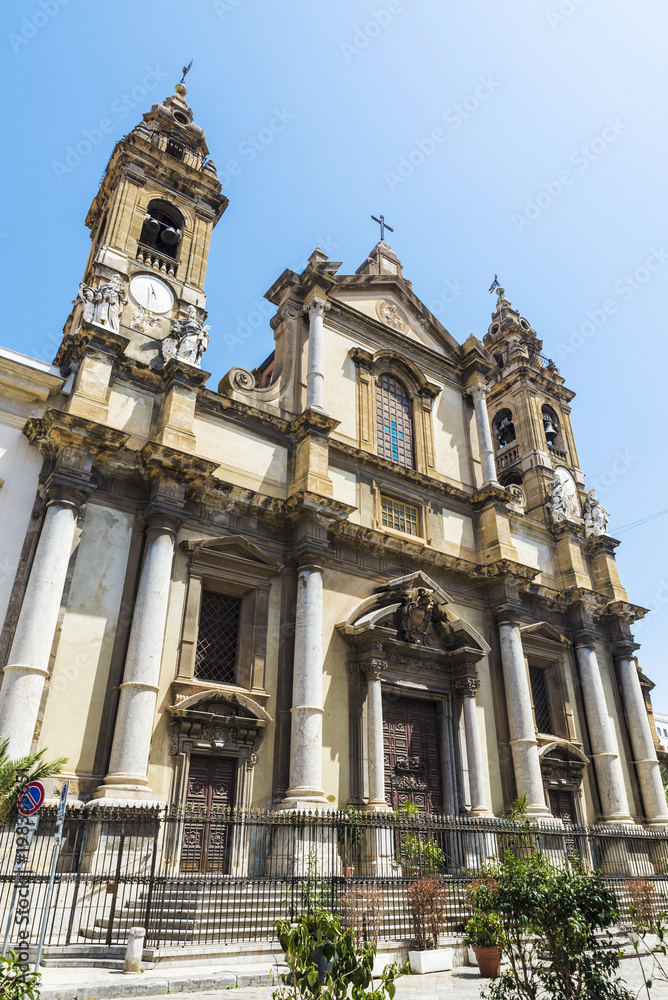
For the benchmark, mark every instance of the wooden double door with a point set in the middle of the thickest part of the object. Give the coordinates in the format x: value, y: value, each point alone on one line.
x: 207, y: 830
x: 412, y: 742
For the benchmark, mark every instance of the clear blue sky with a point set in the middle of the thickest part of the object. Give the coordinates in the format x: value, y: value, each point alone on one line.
x: 550, y: 169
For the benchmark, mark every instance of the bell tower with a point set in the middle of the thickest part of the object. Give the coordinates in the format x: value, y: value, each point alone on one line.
x: 151, y: 223
x: 529, y: 411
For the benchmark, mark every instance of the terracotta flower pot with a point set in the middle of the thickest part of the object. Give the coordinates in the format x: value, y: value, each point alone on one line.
x: 489, y: 961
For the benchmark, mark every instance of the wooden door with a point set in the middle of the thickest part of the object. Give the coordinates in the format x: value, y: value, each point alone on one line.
x: 206, y: 833
x: 412, y: 756
x: 561, y: 805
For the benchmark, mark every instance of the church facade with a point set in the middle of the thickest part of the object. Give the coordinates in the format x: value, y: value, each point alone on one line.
x: 366, y: 571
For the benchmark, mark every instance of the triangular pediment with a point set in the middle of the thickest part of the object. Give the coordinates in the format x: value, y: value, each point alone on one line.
x: 543, y: 630
x: 232, y: 547
x: 391, y: 303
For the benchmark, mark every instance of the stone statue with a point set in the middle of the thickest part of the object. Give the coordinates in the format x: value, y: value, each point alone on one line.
x: 103, y: 305
x: 563, y: 501
x: 594, y: 516
x: 188, y: 339
x: 416, y: 616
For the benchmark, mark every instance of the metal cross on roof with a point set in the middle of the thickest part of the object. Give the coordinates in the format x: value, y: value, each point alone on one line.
x: 186, y: 70
x: 495, y: 284
x: 383, y: 226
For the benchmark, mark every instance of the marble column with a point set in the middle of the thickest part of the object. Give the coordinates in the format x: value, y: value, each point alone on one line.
x: 526, y: 762
x: 128, y: 765
x: 644, y: 751
x: 467, y: 687
x: 614, y: 804
x: 376, y: 800
x: 305, y: 791
x: 315, y: 373
x: 478, y: 391
x: 28, y: 664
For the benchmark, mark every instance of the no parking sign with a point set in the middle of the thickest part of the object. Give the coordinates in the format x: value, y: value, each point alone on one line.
x: 31, y: 798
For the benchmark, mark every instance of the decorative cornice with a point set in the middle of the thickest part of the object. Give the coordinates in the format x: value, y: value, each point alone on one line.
x: 159, y: 460
x: 58, y: 429
x: 311, y: 420
x: 304, y: 500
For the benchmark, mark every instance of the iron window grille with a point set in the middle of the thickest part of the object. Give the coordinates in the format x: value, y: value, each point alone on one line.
x: 393, y: 421
x: 541, y: 702
x: 218, y: 638
x: 399, y: 516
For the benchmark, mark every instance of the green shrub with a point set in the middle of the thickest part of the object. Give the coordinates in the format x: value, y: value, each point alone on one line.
x: 17, y: 982
x: 483, y: 930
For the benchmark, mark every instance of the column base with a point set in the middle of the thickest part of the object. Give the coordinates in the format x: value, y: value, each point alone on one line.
x: 376, y: 806
x: 128, y: 792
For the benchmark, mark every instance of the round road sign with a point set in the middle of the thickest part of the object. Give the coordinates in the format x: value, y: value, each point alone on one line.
x: 31, y: 798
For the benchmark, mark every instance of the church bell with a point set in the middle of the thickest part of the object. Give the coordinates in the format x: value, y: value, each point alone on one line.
x: 171, y: 236
x: 152, y: 226
x: 550, y: 432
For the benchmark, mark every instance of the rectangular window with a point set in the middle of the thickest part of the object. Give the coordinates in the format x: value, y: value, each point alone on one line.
x: 218, y: 638
x: 541, y: 703
x: 398, y: 515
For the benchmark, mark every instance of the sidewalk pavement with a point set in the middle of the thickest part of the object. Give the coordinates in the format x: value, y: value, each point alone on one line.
x: 252, y: 982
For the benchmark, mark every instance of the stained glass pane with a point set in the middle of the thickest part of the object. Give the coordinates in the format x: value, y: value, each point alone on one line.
x: 394, y: 425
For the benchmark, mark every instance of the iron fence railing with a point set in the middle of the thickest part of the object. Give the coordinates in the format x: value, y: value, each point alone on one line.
x: 195, y: 877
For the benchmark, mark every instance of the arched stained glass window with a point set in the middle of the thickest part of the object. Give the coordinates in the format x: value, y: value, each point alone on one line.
x: 393, y: 421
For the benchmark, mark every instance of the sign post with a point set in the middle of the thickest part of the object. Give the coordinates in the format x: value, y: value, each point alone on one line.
x: 57, y: 841
x: 29, y: 801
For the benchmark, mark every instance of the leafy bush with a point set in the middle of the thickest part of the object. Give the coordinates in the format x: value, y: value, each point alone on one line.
x: 426, y: 903
x: 362, y: 908
x: 554, y: 930
x: 483, y: 930
x: 17, y: 982
x: 344, y: 968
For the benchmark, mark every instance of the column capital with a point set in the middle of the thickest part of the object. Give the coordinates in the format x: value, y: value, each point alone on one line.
x: 373, y: 668
x: 625, y: 649
x: 478, y: 390
x: 67, y: 487
x: 316, y: 306
x: 467, y: 687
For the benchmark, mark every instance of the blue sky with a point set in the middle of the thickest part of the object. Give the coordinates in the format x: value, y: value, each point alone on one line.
x: 527, y: 140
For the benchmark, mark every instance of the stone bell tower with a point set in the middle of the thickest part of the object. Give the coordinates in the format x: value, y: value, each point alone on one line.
x: 151, y: 223
x: 529, y: 412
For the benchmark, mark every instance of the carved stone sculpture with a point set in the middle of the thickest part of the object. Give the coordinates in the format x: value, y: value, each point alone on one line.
x: 103, y: 305
x: 388, y: 313
x: 563, y: 500
x: 416, y: 616
x: 188, y: 339
x: 594, y: 516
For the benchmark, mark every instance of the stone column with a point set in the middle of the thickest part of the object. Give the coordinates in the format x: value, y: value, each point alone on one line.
x: 305, y: 789
x: 315, y: 373
x: 644, y: 751
x: 128, y: 766
x: 376, y: 801
x: 28, y: 664
x: 467, y: 687
x: 479, y: 391
x: 614, y: 804
x: 526, y: 762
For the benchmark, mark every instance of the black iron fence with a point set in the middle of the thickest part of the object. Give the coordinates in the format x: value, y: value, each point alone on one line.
x: 195, y: 877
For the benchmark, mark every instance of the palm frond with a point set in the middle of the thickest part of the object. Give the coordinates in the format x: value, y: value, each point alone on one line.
x: 15, y: 773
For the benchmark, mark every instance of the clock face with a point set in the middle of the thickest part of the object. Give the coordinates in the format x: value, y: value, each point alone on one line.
x: 151, y: 294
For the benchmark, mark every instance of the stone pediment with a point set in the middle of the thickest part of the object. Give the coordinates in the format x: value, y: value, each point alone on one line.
x: 232, y: 548
x: 545, y: 631
x: 232, y: 706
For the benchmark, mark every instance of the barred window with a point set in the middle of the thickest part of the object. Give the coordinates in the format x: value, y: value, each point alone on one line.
x: 398, y: 515
x: 541, y: 702
x: 393, y: 421
x: 217, y: 638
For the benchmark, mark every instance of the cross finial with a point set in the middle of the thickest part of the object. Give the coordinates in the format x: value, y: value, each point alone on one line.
x: 383, y: 226
x: 186, y: 70
x: 495, y: 284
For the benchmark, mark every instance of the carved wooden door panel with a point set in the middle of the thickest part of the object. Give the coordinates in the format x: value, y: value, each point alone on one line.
x: 561, y: 805
x: 206, y: 832
x: 412, y: 757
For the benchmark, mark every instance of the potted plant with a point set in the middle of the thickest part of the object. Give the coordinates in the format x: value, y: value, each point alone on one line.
x: 426, y: 903
x: 483, y: 934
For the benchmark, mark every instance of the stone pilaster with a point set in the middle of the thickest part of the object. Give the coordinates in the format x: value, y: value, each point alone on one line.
x: 98, y: 351
x: 642, y: 743
x: 524, y: 746
x: 611, y: 788
x: 311, y: 433
x: 467, y: 687
x: 177, y: 414
x: 315, y: 372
